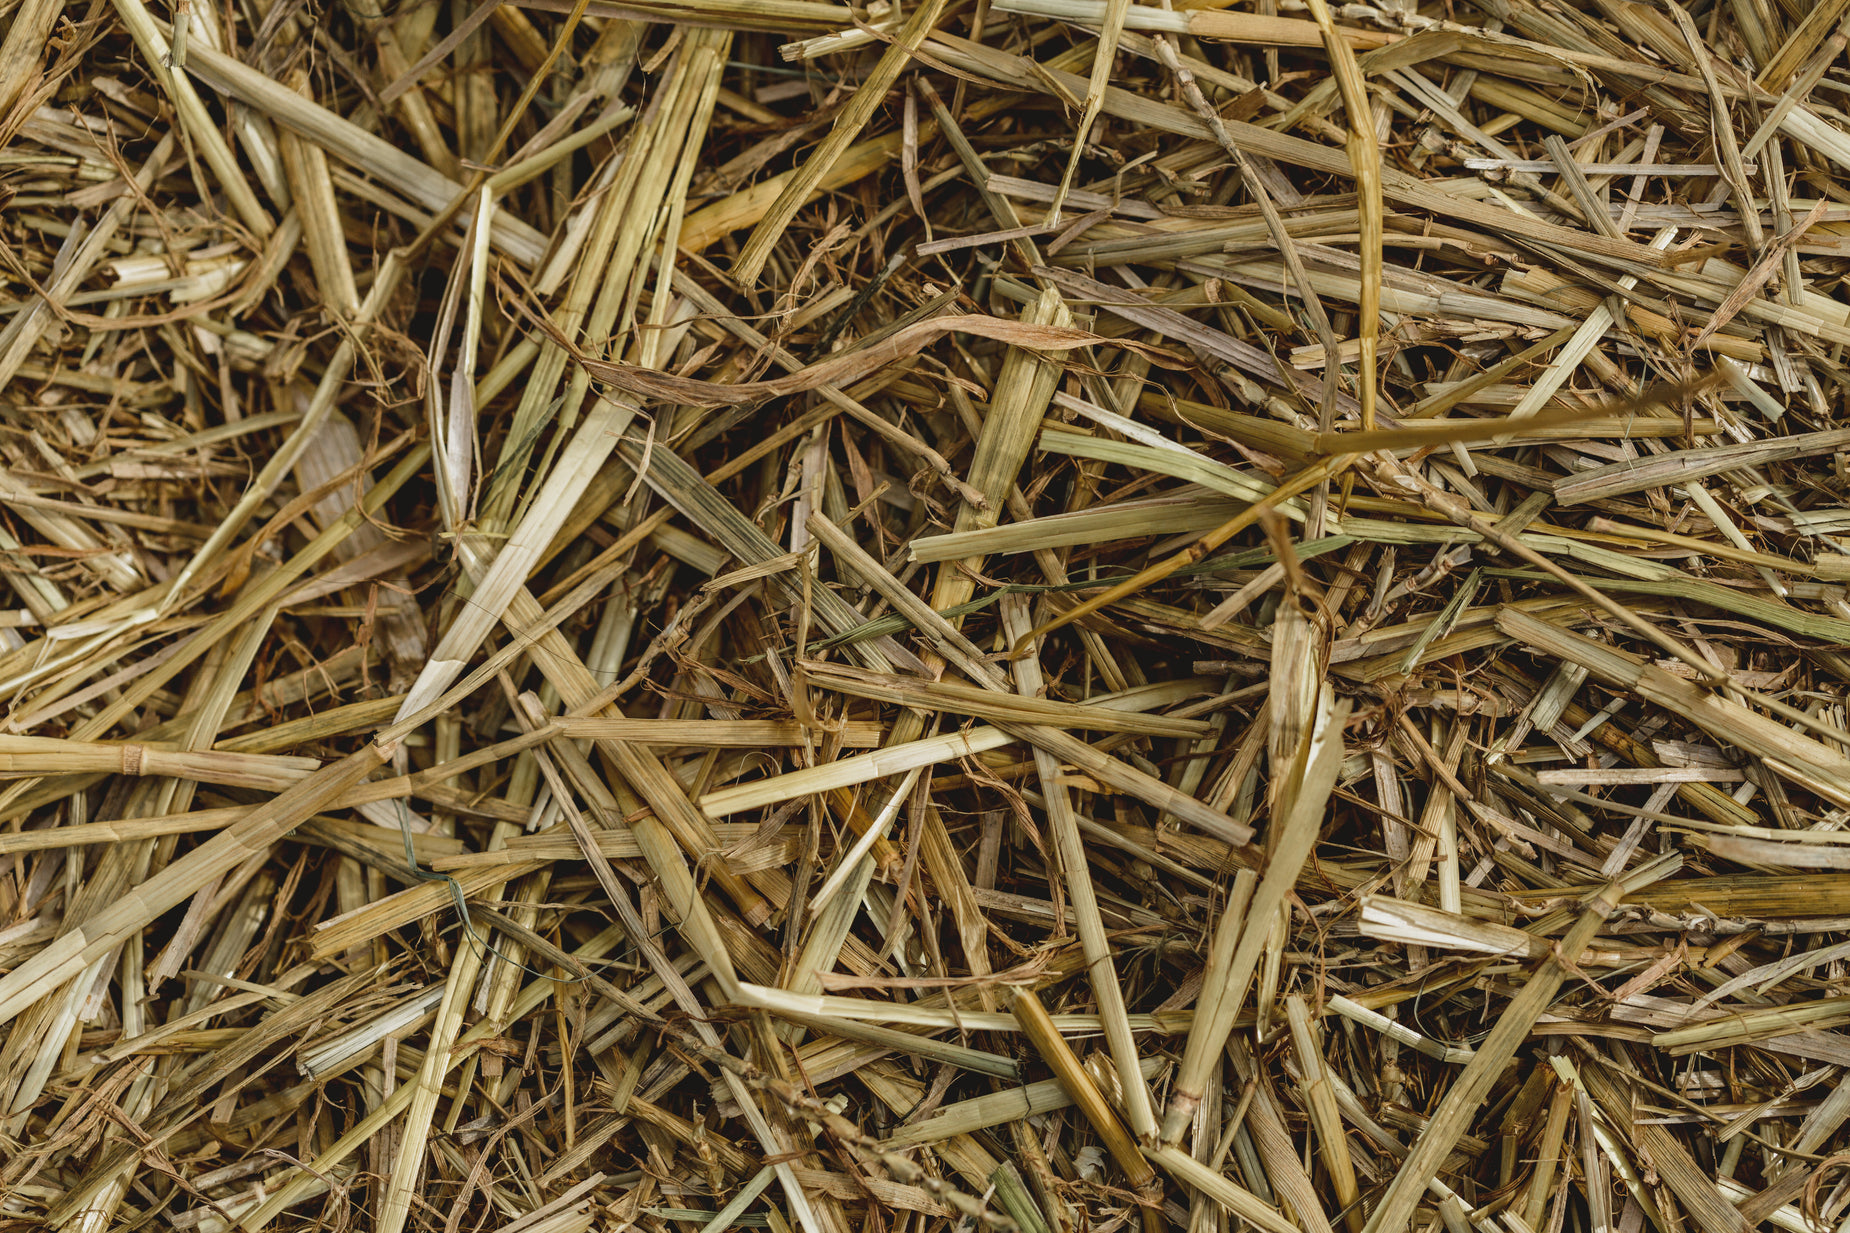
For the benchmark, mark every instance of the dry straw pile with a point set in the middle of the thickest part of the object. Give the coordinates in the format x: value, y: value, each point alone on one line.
x: 1041, y: 615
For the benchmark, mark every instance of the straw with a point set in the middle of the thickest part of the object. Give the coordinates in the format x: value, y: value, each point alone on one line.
x: 1031, y: 615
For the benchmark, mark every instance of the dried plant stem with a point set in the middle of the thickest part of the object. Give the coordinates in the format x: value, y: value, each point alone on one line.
x: 1391, y: 1214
